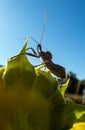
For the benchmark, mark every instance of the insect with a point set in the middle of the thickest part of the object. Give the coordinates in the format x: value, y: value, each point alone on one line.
x: 46, y: 58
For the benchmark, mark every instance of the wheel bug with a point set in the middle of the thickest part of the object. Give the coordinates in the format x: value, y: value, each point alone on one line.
x: 46, y: 58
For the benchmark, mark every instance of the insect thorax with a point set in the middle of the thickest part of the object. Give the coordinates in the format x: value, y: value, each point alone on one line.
x: 46, y: 56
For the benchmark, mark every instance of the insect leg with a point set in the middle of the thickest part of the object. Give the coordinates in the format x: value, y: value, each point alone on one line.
x: 30, y: 54
x: 30, y: 48
x: 42, y: 64
x: 34, y: 54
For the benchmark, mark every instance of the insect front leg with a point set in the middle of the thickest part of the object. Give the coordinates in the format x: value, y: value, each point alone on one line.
x: 34, y: 54
x: 30, y: 54
x: 30, y: 48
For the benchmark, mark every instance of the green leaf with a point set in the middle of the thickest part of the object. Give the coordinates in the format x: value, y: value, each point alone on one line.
x: 45, y: 83
x: 64, y: 114
x: 78, y: 109
x: 19, y: 70
x: 63, y: 88
x: 1, y: 77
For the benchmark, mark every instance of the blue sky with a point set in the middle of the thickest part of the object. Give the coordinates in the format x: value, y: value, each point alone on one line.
x: 64, y: 34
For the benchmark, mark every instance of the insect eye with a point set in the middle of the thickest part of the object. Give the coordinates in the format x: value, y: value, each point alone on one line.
x: 49, y: 55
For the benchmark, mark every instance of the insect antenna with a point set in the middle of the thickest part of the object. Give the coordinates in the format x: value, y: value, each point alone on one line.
x: 42, y: 34
x: 42, y: 31
x: 43, y: 27
x: 34, y: 40
x: 39, y: 44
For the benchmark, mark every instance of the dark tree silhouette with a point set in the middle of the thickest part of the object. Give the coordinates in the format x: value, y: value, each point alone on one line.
x: 72, y: 87
x: 81, y: 87
x: 1, y: 65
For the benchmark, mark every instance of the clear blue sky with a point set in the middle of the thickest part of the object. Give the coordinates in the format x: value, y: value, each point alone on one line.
x: 64, y: 34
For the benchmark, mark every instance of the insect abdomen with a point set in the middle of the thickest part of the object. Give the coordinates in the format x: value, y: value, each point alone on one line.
x: 57, y: 70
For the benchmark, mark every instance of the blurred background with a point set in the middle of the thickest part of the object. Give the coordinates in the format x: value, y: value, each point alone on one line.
x: 64, y: 34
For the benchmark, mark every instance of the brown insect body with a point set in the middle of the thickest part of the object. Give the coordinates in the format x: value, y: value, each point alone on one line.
x: 46, y: 58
